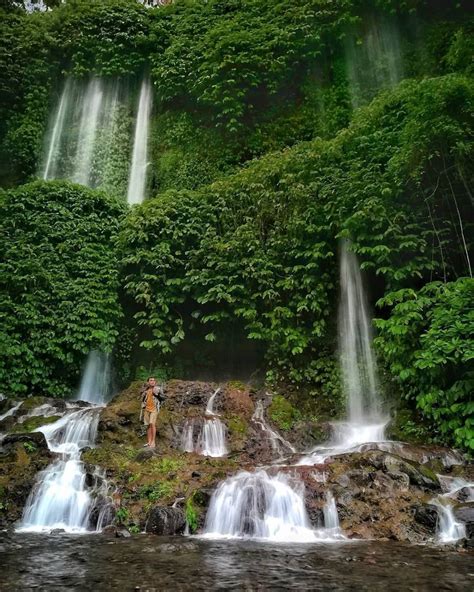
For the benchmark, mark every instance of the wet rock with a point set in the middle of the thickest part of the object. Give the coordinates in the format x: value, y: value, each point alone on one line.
x: 145, y: 454
x: 35, y: 438
x: 426, y: 515
x: 202, y: 497
x: 165, y: 521
x: 122, y: 533
x: 109, y: 530
x: 465, y: 513
x: 418, y: 475
x: 57, y: 531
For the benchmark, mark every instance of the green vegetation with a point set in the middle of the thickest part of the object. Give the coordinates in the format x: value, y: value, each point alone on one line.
x: 58, y: 286
x: 191, y: 515
x: 259, y: 167
x: 282, y: 413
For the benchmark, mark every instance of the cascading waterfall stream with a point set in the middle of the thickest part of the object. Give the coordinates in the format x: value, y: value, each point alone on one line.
x: 51, y: 166
x: 95, y: 383
x: 91, y: 110
x: 207, y: 436
x: 60, y: 498
x: 373, y: 58
x: 279, y: 445
x: 138, y: 169
x: 365, y: 419
x: 260, y: 506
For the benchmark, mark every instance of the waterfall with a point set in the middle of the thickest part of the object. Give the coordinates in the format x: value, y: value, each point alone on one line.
x: 60, y: 498
x: 448, y: 530
x: 355, y: 337
x: 365, y: 420
x: 138, y: 170
x: 331, y: 518
x: 89, y: 135
x: 257, y: 505
x: 51, y: 166
x: 95, y: 383
x: 11, y: 411
x: 187, y: 436
x: 207, y: 436
x: 91, y: 110
x: 279, y: 445
x: 373, y: 58
x: 210, y: 403
x: 212, y: 441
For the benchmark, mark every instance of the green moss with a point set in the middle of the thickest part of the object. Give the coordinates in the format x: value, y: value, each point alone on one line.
x: 237, y: 384
x: 33, y: 423
x: 237, y: 425
x: 191, y: 515
x: 282, y: 413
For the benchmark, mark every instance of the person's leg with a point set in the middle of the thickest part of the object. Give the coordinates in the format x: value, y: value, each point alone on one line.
x: 150, y: 435
x: 153, y: 435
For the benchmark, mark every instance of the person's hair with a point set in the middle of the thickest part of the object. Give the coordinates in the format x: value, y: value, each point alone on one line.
x: 149, y: 378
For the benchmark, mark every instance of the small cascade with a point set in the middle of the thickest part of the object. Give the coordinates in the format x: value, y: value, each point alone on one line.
x: 279, y: 445
x: 260, y: 506
x: 331, y: 518
x: 373, y: 58
x: 60, y: 498
x: 212, y: 440
x: 11, y: 411
x: 210, y: 403
x: 187, y: 436
x: 95, y: 383
x: 457, y: 487
x: 448, y: 530
x: 207, y: 436
x: 138, y: 169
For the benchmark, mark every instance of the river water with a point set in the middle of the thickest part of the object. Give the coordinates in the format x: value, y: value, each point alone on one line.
x: 151, y: 563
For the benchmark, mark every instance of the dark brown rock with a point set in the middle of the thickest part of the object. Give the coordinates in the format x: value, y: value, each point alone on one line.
x: 165, y: 521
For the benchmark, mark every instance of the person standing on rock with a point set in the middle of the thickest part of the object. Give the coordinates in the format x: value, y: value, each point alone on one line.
x: 151, y: 396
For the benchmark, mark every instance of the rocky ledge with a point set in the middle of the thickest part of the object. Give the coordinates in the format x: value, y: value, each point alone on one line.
x: 380, y: 494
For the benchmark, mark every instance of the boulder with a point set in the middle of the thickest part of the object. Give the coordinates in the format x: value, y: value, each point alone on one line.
x: 35, y: 438
x: 426, y: 515
x: 165, y: 521
x: 122, y: 533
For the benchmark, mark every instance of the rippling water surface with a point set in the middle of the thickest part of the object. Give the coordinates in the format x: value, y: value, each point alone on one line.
x: 149, y: 563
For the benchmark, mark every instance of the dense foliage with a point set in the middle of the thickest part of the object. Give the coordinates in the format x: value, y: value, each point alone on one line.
x: 278, y: 129
x: 260, y: 248
x: 58, y: 284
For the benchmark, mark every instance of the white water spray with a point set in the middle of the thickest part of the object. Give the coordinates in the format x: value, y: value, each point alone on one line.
x: 138, y: 170
x: 260, y: 506
x: 448, y: 529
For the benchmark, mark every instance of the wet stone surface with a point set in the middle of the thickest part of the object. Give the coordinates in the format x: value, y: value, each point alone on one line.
x: 150, y: 563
